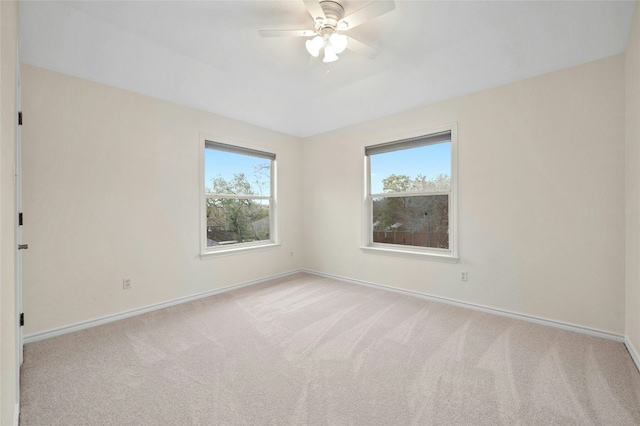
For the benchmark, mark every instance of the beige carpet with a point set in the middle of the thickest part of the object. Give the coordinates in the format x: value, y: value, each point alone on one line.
x: 310, y: 350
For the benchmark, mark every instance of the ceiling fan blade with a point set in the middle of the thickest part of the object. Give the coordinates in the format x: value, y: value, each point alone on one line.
x: 370, y: 11
x: 313, y: 6
x: 286, y: 33
x: 361, y: 48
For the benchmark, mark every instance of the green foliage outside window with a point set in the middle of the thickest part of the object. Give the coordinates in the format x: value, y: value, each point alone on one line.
x: 421, y: 220
x: 237, y: 219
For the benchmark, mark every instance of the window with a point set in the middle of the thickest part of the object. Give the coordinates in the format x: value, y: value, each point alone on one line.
x: 238, y: 201
x: 410, y: 201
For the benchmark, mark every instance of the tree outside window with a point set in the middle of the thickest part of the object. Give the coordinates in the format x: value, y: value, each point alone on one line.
x: 411, y: 197
x: 238, y: 196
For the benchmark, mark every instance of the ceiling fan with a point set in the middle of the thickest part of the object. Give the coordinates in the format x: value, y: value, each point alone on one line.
x: 330, y: 23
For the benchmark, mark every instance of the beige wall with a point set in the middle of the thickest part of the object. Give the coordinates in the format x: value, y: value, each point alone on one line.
x: 112, y: 190
x: 541, y: 197
x: 632, y: 74
x: 8, y: 313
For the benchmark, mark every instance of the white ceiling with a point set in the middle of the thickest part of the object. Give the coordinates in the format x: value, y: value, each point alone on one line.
x: 208, y: 54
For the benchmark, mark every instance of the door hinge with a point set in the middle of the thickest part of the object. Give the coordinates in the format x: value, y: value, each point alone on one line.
x: 20, y: 118
x: 21, y: 319
x: 20, y: 219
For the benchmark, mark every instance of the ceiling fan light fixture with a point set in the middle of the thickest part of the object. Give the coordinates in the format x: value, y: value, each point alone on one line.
x: 314, y: 45
x: 329, y: 54
x: 338, y: 42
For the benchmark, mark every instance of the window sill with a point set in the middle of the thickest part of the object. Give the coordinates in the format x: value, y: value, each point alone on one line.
x: 237, y: 250
x: 416, y: 254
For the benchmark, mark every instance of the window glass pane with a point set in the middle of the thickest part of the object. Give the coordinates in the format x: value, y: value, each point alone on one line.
x: 232, y: 173
x: 413, y: 221
x: 233, y: 221
x: 422, y: 169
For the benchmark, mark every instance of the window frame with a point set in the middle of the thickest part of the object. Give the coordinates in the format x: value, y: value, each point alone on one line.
x: 448, y: 255
x: 243, y: 149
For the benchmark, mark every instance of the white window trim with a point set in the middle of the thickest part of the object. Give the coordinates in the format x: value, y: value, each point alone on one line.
x: 445, y: 255
x: 240, y: 248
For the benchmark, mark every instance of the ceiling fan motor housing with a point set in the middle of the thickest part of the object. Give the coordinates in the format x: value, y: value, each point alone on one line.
x: 333, y: 12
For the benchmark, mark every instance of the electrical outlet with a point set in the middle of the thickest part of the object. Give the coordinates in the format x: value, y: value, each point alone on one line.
x: 126, y: 283
x: 464, y: 276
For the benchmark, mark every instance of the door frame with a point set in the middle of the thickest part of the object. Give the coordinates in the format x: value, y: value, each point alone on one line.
x: 18, y: 231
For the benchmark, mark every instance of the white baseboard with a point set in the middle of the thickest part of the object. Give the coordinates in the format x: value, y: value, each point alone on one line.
x: 34, y: 337
x: 633, y: 352
x: 487, y: 309
x: 47, y: 334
